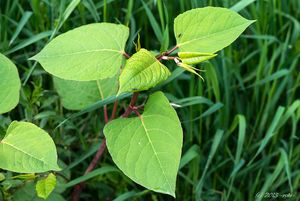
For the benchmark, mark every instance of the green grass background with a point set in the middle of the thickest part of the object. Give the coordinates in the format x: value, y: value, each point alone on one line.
x: 241, y: 126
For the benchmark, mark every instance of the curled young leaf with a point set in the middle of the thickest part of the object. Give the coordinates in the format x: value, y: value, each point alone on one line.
x: 190, y: 69
x: 141, y: 72
x: 195, y: 57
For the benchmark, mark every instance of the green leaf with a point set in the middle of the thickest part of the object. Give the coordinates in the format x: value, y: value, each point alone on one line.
x: 27, y: 148
x: 2, y: 177
x: 89, y: 52
x: 9, y: 85
x: 27, y: 192
x: 208, y: 29
x: 77, y: 95
x: 194, y: 57
x: 141, y: 72
x: 148, y: 148
x: 44, y: 187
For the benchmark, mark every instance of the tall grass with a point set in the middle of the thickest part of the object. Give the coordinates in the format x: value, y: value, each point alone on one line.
x: 241, y: 126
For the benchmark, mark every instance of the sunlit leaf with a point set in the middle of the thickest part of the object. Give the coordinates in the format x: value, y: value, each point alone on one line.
x: 89, y: 52
x: 27, y: 148
x: 141, y: 72
x: 148, y: 148
x: 9, y: 85
x: 208, y: 29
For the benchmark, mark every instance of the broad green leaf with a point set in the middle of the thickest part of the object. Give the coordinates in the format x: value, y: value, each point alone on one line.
x: 89, y: 52
x: 77, y: 95
x: 148, y: 148
x: 208, y: 29
x: 45, y: 186
x: 141, y: 72
x: 9, y: 85
x: 27, y: 148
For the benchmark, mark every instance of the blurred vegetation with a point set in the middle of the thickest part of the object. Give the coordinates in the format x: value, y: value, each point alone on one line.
x: 241, y: 126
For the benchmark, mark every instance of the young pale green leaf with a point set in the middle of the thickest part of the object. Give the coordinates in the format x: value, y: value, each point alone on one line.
x: 77, y: 95
x: 9, y: 85
x: 27, y: 148
x: 141, y: 72
x: 208, y: 29
x: 148, y: 148
x: 191, y: 69
x: 44, y: 187
x: 27, y: 192
x: 195, y: 57
x: 89, y: 52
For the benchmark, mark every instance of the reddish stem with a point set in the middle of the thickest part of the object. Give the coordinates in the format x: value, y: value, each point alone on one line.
x: 113, y: 114
x: 96, y: 157
x: 105, y: 114
x: 132, y: 103
x: 79, y: 187
x: 159, y: 57
x: 126, y: 55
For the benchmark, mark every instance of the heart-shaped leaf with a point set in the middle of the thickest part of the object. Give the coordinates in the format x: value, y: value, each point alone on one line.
x: 141, y: 72
x: 77, y: 95
x: 89, y: 52
x: 208, y: 29
x: 27, y: 148
x: 148, y: 148
x: 9, y: 85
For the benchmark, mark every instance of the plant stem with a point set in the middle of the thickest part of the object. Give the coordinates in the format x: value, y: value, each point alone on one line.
x: 105, y: 114
x: 96, y: 157
x: 79, y: 187
x: 113, y: 114
x: 132, y: 103
x: 167, y: 53
x: 126, y: 55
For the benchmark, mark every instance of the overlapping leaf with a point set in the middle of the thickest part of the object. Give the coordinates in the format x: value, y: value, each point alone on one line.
x: 9, y: 85
x: 148, y: 148
x: 27, y: 148
x: 77, y: 95
x: 89, y: 52
x: 208, y: 29
x: 141, y: 72
x: 44, y: 187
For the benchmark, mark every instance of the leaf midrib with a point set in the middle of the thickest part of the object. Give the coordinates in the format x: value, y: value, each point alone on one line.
x: 139, y: 72
x: 155, y: 153
x: 211, y: 35
x: 3, y: 142
x: 75, y: 53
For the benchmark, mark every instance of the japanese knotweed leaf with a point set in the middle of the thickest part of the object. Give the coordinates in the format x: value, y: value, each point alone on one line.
x: 44, y: 187
x: 27, y: 148
x: 148, y: 148
x: 77, y: 95
x: 141, y: 72
x: 89, y: 52
x: 208, y: 29
x: 9, y: 85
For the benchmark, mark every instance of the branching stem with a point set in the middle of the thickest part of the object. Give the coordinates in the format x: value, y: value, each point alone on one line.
x: 79, y: 187
x: 167, y: 53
